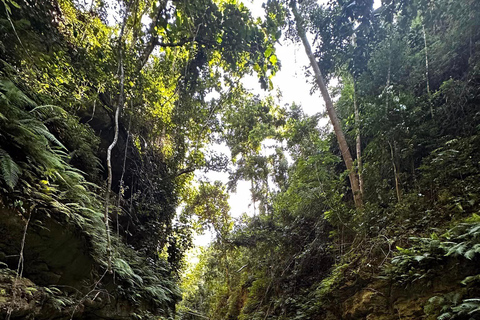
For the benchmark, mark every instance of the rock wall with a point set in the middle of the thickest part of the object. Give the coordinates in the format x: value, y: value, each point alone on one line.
x: 58, y: 274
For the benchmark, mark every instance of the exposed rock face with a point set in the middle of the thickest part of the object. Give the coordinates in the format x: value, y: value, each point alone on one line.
x: 372, y: 299
x: 59, y: 277
x: 19, y: 296
x: 54, y: 254
x: 374, y: 303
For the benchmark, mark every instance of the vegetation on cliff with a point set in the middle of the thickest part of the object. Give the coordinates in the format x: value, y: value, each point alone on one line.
x: 408, y: 76
x: 86, y: 99
x: 107, y: 110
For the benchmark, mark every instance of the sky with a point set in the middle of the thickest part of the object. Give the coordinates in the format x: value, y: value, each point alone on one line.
x: 294, y: 87
x: 292, y: 83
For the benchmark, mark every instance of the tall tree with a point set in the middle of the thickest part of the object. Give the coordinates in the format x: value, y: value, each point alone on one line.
x: 337, y: 127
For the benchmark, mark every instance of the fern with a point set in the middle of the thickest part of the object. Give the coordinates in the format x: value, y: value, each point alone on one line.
x: 10, y: 171
x: 445, y: 316
x: 468, y: 308
x: 14, y: 95
x: 42, y: 130
x: 61, y: 191
x: 125, y: 271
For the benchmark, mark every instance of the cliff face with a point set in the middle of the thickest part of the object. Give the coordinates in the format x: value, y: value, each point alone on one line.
x: 54, y: 253
x: 56, y: 259
x: 388, y: 300
x: 58, y: 274
x: 436, y: 278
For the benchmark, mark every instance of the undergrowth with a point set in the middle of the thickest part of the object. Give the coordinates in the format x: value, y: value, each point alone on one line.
x: 37, y: 179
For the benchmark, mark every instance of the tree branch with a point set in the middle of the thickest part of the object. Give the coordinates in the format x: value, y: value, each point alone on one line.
x: 154, y: 38
x: 184, y: 171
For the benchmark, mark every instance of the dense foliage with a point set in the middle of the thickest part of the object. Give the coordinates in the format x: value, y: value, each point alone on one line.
x: 116, y: 91
x: 108, y: 109
x: 411, y: 252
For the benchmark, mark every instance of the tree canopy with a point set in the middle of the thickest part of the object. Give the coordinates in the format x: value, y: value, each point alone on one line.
x: 109, y: 110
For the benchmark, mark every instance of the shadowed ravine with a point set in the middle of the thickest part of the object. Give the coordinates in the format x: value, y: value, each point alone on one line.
x: 129, y: 129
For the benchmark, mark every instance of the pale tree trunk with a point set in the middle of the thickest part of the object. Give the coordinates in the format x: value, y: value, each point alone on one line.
x: 387, y: 89
x: 253, y: 197
x: 427, y: 76
x: 121, y: 188
x: 118, y: 111
x: 395, y: 173
x: 358, y: 140
x: 342, y: 142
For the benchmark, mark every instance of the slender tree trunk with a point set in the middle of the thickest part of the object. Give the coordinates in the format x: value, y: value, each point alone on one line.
x: 122, y: 183
x: 227, y: 269
x: 109, y: 187
x: 118, y: 111
x: 387, y: 85
x: 342, y: 142
x: 265, y: 204
x: 253, y: 197
x: 395, y: 172
x: 153, y: 36
x: 358, y: 140
x: 427, y: 76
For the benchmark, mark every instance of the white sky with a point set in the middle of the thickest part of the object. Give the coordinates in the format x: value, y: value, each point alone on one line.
x: 291, y: 78
x: 294, y: 87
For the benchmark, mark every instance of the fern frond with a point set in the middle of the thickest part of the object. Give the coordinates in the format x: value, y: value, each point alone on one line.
x: 41, y: 108
x: 15, y: 95
x: 125, y: 271
x: 10, y: 171
x: 42, y: 130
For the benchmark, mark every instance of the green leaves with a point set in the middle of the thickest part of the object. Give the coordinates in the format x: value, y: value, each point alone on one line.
x: 209, y: 204
x: 6, y: 3
x: 468, y: 307
x: 125, y: 271
x: 9, y: 170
